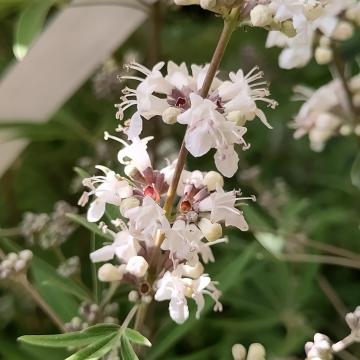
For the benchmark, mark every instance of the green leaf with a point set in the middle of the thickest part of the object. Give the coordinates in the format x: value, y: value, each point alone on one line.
x: 68, y: 287
x: 127, y: 352
x: 90, y: 226
x: 355, y: 172
x: 78, y: 338
x: 135, y: 337
x: 29, y: 25
x: 81, y: 172
x: 97, y: 349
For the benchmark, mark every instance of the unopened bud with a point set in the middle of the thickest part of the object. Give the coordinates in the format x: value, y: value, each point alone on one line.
x: 238, y: 352
x: 108, y: 273
x: 323, y: 55
x: 212, y: 179
x: 127, y: 204
x: 19, y: 265
x: 26, y: 255
x: 211, y: 231
x: 353, y: 14
x: 354, y: 83
x: 208, y: 4
x: 137, y: 266
x: 170, y: 115
x: 343, y: 31
x: 261, y: 15
x: 133, y: 296
x: 193, y: 271
x: 146, y: 299
x: 356, y: 100
x: 256, y: 352
x: 345, y: 130
x: 12, y: 256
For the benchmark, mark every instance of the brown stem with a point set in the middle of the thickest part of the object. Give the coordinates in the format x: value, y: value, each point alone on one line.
x: 230, y: 24
x: 22, y: 279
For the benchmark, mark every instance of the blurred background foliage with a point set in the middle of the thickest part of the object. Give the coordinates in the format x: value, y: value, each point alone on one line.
x: 282, y: 281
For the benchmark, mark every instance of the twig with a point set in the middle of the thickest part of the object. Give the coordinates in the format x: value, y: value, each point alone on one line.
x: 24, y: 282
x: 333, y: 297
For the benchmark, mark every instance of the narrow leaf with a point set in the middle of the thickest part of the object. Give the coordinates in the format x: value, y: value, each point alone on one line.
x: 29, y: 25
x: 135, y: 337
x: 127, y: 352
x: 90, y: 226
x: 97, y: 349
x: 78, y: 338
x: 69, y: 288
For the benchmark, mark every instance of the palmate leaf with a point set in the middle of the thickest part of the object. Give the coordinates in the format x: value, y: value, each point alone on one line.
x: 127, y: 352
x: 79, y: 338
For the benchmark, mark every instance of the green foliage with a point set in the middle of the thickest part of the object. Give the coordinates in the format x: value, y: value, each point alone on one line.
x: 97, y: 341
x: 30, y: 24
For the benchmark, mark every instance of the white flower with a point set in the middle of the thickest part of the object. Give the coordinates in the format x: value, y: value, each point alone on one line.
x: 308, y: 17
x: 320, y: 349
x: 210, y: 129
x: 112, y: 189
x: 146, y: 219
x: 108, y: 272
x: 172, y: 287
x: 184, y: 242
x: 221, y: 205
x: 124, y: 247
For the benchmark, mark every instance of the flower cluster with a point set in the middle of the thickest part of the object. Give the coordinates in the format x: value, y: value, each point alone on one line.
x: 14, y: 264
x: 215, y: 122
x: 48, y: 230
x: 91, y: 314
x: 203, y: 204
x: 322, y: 116
x: 300, y: 25
x: 162, y: 252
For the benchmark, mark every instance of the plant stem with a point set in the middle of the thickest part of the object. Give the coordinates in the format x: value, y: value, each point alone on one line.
x: 22, y: 280
x: 343, y: 344
x: 230, y: 24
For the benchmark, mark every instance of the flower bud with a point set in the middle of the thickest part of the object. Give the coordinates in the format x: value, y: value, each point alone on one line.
x: 129, y: 203
x: 345, y: 130
x: 323, y: 55
x: 212, y: 179
x: 133, y: 296
x: 208, y: 4
x: 237, y: 117
x: 354, y: 83
x: 170, y: 115
x: 256, y: 352
x: 187, y: 2
x: 211, y: 231
x: 238, y: 352
x: 343, y: 31
x: 353, y: 14
x: 12, y: 256
x: 19, y: 265
x: 137, y: 266
x: 26, y: 255
x: 193, y: 271
x: 146, y: 299
x: 108, y: 273
x: 356, y: 100
x: 261, y: 15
